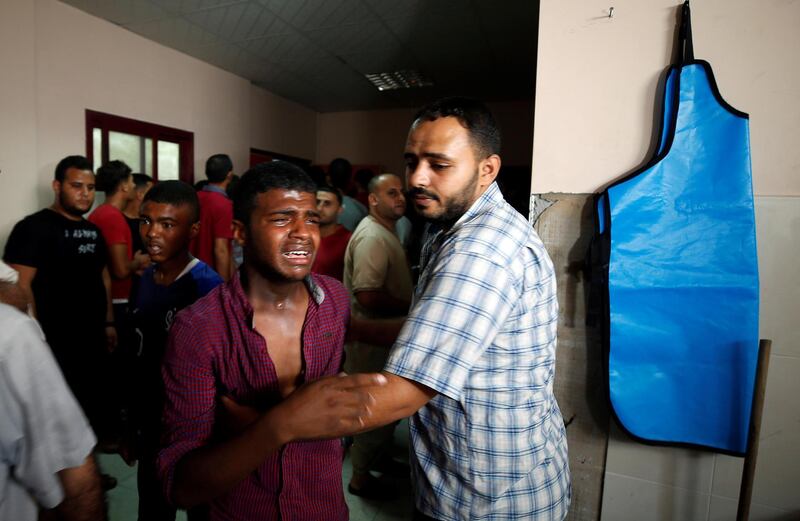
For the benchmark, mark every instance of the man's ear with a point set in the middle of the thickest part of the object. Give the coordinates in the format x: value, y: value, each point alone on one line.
x: 373, y: 200
x: 340, y: 210
x: 56, y: 186
x: 488, y: 170
x: 239, y: 232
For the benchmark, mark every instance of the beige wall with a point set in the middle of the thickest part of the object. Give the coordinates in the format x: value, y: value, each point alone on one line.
x: 17, y: 113
x: 280, y: 125
x: 378, y: 136
x: 66, y: 61
x: 364, y: 137
x: 596, y: 82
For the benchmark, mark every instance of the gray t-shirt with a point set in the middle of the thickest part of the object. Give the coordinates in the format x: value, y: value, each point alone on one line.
x: 352, y: 213
x: 42, y: 430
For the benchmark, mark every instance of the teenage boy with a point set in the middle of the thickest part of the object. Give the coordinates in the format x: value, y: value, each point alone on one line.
x: 169, y: 219
x: 271, y: 338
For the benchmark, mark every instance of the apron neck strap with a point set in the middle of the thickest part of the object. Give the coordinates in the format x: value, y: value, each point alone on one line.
x: 685, y: 47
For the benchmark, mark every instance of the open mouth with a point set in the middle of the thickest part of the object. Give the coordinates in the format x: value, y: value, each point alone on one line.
x: 154, y: 249
x: 298, y: 256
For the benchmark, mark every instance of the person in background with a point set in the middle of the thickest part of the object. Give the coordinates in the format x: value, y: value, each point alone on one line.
x: 61, y: 259
x: 378, y: 278
x: 213, y: 244
x: 170, y: 219
x: 361, y: 181
x: 333, y: 236
x: 340, y: 172
x: 45, y: 441
x: 10, y: 292
x: 115, y: 179
x: 141, y: 184
x: 236, y: 248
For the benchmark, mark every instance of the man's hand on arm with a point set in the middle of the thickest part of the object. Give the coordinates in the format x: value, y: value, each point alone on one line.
x: 327, y: 408
x: 399, y: 398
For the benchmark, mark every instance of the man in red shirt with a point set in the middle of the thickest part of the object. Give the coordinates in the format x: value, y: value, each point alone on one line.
x: 271, y: 338
x: 115, y: 179
x: 213, y: 244
x: 333, y: 236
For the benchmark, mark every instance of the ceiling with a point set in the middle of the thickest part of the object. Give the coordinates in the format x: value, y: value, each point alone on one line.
x: 316, y: 52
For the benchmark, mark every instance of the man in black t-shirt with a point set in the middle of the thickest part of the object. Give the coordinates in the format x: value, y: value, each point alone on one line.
x: 62, y: 263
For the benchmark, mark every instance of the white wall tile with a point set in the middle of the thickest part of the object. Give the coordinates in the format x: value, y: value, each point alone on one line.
x: 630, y: 499
x: 724, y: 509
x: 778, y: 237
x: 686, y: 468
x: 777, y: 481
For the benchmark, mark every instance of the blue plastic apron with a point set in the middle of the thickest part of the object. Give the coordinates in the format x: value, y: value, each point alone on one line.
x: 678, y: 251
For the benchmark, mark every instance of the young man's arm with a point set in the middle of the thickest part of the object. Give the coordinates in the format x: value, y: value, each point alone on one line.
x: 120, y: 266
x: 25, y: 282
x: 111, y: 331
x: 223, y: 257
x: 325, y: 408
x: 195, y: 468
x: 83, y: 495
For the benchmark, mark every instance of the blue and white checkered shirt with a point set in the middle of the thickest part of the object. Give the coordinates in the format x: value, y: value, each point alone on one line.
x: 482, y: 333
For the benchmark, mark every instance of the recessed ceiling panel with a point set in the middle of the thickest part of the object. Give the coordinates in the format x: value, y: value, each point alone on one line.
x: 316, y: 52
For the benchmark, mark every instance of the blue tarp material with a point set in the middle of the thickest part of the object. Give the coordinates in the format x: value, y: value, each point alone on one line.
x: 682, y: 274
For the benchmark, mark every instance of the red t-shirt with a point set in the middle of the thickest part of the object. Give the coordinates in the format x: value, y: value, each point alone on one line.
x: 216, y: 222
x: 115, y: 230
x: 330, y: 254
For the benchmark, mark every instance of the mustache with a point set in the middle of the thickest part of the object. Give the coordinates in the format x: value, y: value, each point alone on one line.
x: 417, y: 190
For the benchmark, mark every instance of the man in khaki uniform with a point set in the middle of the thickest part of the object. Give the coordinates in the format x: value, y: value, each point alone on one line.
x: 377, y: 275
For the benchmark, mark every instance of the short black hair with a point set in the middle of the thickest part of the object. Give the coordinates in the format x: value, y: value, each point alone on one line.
x: 79, y: 162
x: 264, y: 177
x: 111, y: 175
x: 332, y: 190
x: 141, y: 180
x: 317, y: 174
x: 340, y: 171
x: 364, y: 176
x: 175, y: 193
x: 217, y: 167
x: 473, y: 116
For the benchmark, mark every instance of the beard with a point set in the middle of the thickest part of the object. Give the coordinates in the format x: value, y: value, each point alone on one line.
x: 69, y: 207
x: 452, y: 208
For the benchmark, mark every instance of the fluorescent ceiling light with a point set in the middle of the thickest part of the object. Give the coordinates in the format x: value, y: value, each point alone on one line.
x: 405, y: 79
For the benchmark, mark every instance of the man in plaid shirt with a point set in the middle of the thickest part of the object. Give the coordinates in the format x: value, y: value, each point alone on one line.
x: 474, y: 362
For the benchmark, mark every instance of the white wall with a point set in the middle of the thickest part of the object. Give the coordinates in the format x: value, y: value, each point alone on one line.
x: 59, y: 61
x: 596, y: 82
x: 280, y: 125
x: 17, y: 113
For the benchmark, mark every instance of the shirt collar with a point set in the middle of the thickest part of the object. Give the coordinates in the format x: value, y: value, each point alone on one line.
x: 216, y: 189
x: 239, y: 296
x: 491, y: 197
